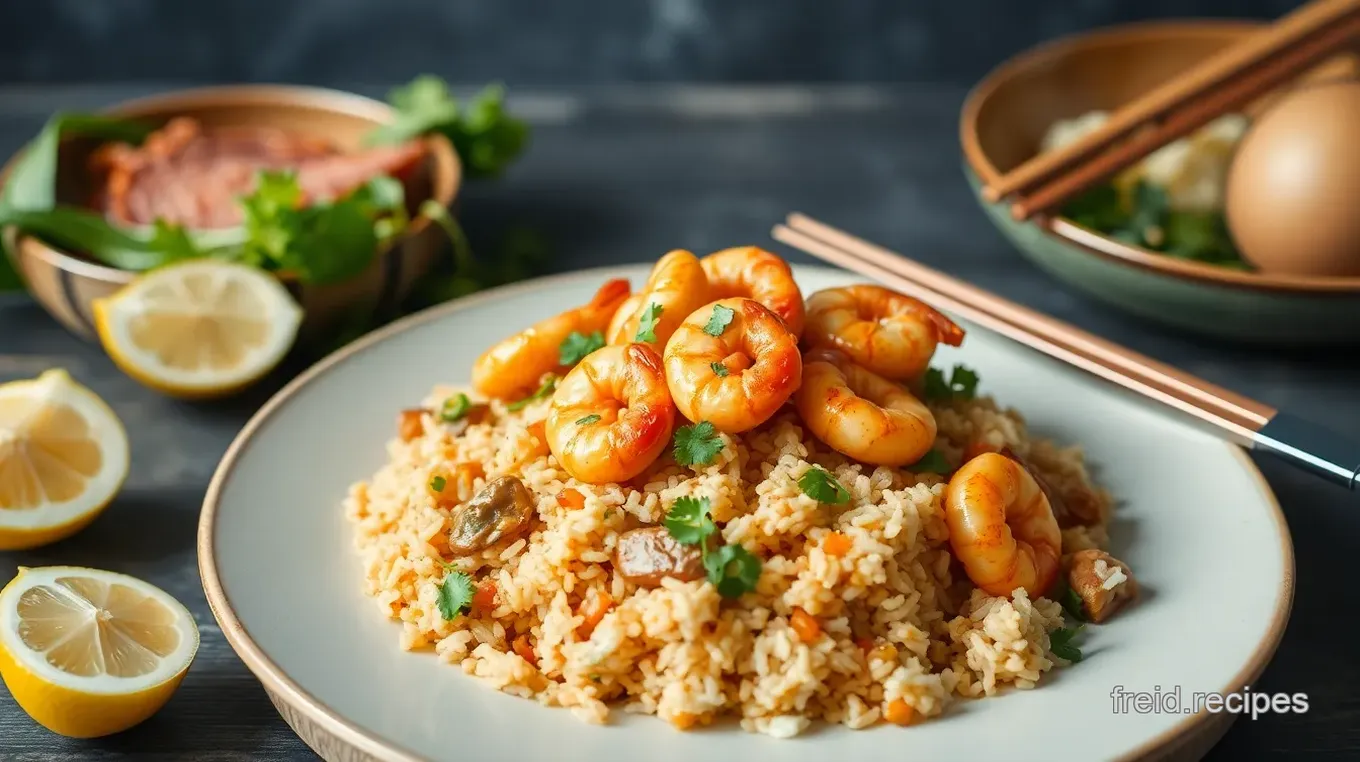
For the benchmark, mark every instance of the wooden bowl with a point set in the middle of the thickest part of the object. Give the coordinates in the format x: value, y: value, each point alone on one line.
x: 66, y: 284
x: 1004, y: 119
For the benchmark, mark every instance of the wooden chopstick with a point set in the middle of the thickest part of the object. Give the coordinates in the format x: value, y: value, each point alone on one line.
x: 1238, y: 419
x: 1288, y: 32
x: 1234, y: 414
x: 1232, y: 95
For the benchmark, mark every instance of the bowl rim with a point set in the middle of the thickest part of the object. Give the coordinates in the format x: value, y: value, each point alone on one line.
x: 1095, y: 242
x: 446, y: 177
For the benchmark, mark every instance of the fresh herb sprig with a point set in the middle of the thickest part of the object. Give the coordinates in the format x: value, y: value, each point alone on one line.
x: 487, y: 137
x: 731, y: 569
x: 821, y: 486
x: 960, y: 384
x: 1060, y: 643
x: 577, y: 345
x: 545, y: 390
x: 933, y: 462
x: 646, y: 332
x: 455, y: 595
x: 719, y: 320
x: 697, y: 445
x: 1143, y: 217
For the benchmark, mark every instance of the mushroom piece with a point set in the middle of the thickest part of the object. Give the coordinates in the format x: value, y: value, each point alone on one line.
x: 499, y: 511
x: 648, y: 555
x: 1102, y: 582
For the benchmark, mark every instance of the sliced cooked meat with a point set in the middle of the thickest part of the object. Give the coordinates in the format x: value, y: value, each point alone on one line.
x: 648, y: 555
x: 192, y: 176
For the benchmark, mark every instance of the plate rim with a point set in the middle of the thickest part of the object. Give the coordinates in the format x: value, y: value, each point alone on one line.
x: 1193, y: 735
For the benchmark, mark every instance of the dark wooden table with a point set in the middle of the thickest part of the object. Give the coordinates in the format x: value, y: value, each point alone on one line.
x: 621, y: 175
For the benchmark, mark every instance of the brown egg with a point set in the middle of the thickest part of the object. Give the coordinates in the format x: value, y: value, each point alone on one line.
x: 1293, y: 189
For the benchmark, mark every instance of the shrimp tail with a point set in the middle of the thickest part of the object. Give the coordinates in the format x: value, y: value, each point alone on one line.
x: 610, y: 295
x: 951, y: 333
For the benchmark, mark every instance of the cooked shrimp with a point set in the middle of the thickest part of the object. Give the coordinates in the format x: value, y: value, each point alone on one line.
x: 739, y: 378
x: 889, y: 333
x: 753, y: 273
x: 862, y: 415
x: 676, y: 287
x: 617, y: 332
x: 1001, y: 527
x: 515, y: 366
x: 612, y: 414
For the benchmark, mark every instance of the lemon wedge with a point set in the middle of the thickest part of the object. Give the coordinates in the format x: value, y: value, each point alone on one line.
x: 88, y: 653
x: 63, y: 456
x: 198, y: 329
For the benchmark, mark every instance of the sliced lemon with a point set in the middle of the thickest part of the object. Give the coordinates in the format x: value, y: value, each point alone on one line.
x: 199, y: 329
x: 88, y: 653
x: 63, y: 456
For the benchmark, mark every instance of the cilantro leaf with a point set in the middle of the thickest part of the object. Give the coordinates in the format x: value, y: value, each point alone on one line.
x: 646, y: 332
x: 454, y: 408
x: 592, y: 418
x: 546, y: 388
x: 697, y: 445
x: 688, y: 520
x: 1060, y: 643
x: 1072, y: 605
x: 719, y: 320
x: 719, y: 369
x: 322, y: 243
x: 961, y: 384
x: 577, y: 345
x: 932, y: 462
x: 438, y: 483
x: 455, y: 595
x: 733, y: 570
x: 486, y: 137
x: 821, y: 486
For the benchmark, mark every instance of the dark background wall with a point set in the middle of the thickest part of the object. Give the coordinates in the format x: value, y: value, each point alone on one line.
x: 542, y: 42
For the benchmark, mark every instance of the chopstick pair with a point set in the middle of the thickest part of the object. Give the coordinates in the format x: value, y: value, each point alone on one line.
x: 1236, y: 418
x: 1226, y: 81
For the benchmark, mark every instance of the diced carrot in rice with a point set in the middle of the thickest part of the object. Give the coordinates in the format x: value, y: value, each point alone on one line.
x: 836, y: 544
x: 805, y: 625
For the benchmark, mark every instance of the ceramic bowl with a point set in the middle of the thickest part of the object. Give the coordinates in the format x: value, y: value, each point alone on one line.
x: 66, y: 284
x: 1004, y: 119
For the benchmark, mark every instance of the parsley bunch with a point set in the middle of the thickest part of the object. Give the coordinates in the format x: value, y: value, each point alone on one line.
x: 731, y: 569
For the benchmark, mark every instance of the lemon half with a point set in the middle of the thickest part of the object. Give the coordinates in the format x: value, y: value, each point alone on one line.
x: 63, y: 456
x: 88, y: 653
x: 197, y: 329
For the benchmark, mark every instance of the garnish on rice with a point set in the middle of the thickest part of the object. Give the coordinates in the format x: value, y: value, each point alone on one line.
x: 455, y: 595
x: 545, y: 390
x: 697, y: 445
x: 732, y: 569
x: 821, y: 486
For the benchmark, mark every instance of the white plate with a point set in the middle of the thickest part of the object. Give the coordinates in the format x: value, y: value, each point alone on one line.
x: 1197, y: 523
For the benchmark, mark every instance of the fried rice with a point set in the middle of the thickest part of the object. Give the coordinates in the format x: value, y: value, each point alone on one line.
x: 900, y: 632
